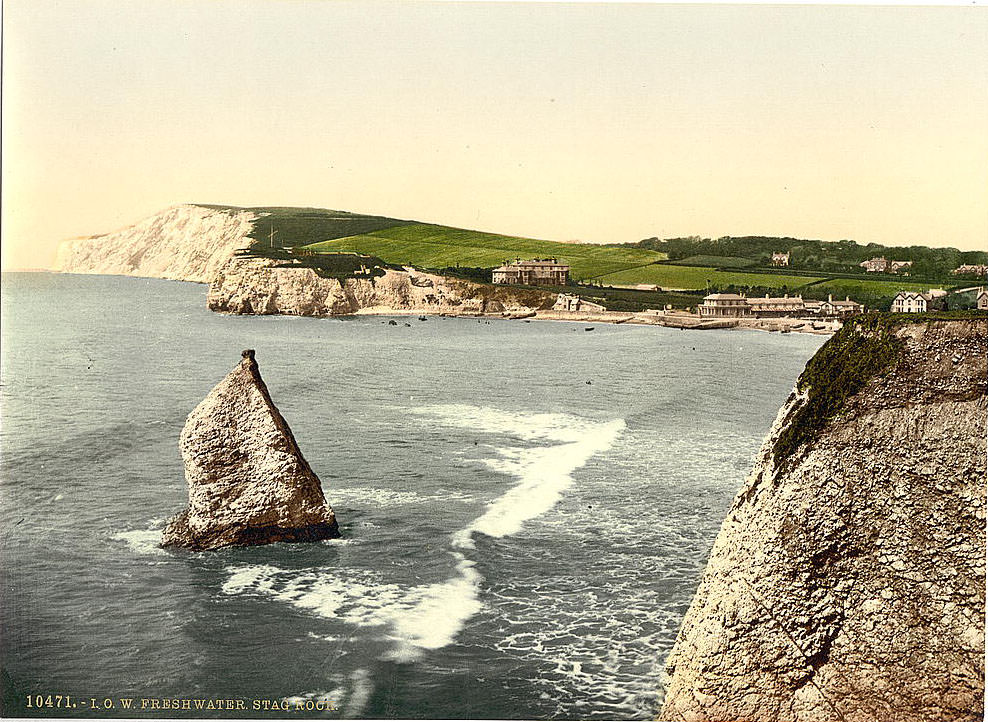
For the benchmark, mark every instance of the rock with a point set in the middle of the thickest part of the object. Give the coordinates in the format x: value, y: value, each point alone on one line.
x: 248, y: 481
x: 184, y: 243
x: 877, y: 648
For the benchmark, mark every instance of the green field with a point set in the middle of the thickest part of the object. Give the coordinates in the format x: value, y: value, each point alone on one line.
x: 679, y: 277
x: 392, y: 241
x: 431, y: 246
x: 715, y: 261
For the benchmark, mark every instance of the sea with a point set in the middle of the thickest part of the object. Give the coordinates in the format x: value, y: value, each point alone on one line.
x: 525, y: 507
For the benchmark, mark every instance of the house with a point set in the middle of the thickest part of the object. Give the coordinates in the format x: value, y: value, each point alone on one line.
x: 915, y: 302
x: 724, y: 305
x: 882, y: 265
x: 875, y: 265
x: 538, y: 271
x: 983, y: 300
x: 840, y: 309
x: 565, y: 302
x: 780, y: 259
x: 785, y: 306
x: 971, y: 270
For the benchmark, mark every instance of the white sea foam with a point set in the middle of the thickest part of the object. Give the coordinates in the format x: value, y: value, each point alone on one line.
x: 142, y: 541
x: 545, y: 473
x: 429, y: 616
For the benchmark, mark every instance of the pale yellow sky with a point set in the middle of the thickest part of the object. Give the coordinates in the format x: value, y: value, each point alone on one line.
x: 609, y: 122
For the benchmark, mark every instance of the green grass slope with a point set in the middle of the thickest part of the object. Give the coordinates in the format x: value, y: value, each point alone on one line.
x: 433, y: 246
x: 687, y: 277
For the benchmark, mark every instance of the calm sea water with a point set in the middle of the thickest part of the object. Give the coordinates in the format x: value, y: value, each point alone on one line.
x: 525, y: 507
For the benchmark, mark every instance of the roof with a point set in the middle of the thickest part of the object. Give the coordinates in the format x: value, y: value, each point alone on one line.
x: 535, y: 262
x: 724, y: 297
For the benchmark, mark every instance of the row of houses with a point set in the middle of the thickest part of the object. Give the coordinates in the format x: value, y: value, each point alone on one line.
x: 732, y: 305
x: 971, y: 270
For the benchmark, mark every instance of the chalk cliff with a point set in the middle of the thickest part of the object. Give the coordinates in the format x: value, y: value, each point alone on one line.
x: 184, y: 243
x: 248, y: 481
x: 255, y: 286
x: 848, y: 580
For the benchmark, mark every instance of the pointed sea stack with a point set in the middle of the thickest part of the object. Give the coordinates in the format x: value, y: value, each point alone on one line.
x: 248, y: 481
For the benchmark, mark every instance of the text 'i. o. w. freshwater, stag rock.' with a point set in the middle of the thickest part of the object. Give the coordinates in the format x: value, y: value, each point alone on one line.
x: 248, y: 481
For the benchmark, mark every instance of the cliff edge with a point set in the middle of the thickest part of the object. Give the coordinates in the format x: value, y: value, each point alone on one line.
x: 848, y: 579
x: 248, y: 481
x: 182, y: 243
x: 259, y: 286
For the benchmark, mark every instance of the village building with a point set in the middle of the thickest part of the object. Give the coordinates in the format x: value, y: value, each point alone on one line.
x: 883, y: 265
x: 971, y: 270
x: 780, y: 259
x: 565, y: 302
x: 536, y: 272
x: 983, y: 300
x: 915, y: 302
x: 785, y: 306
x: 724, y: 305
x: 840, y: 309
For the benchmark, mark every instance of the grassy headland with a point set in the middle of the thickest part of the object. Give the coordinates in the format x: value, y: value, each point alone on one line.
x: 327, y: 240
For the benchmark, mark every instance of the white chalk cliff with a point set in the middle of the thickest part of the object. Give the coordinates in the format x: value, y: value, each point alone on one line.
x: 183, y: 243
x: 848, y: 581
x: 196, y: 243
x: 256, y: 286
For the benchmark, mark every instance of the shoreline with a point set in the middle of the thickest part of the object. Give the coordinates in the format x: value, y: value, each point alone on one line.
x: 666, y: 319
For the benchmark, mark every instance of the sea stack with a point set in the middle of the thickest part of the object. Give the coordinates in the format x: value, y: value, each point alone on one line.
x: 848, y: 580
x: 248, y: 481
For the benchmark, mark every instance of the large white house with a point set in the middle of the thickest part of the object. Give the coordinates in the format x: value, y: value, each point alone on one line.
x: 916, y: 302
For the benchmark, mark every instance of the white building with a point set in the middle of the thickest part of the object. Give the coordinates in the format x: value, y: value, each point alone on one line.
x: 916, y: 302
x: 565, y: 302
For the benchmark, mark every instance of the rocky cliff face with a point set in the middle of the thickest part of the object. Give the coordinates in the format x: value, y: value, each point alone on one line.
x: 848, y: 580
x: 184, y: 243
x: 255, y: 286
x: 248, y: 481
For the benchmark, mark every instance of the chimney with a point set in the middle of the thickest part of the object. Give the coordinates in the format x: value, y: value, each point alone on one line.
x: 830, y: 298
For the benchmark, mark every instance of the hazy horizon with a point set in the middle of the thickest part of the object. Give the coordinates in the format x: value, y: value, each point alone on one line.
x: 593, y: 122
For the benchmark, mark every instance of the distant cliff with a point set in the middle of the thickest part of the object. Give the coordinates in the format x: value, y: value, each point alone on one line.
x: 848, y: 580
x: 256, y: 286
x: 184, y: 243
x: 197, y: 243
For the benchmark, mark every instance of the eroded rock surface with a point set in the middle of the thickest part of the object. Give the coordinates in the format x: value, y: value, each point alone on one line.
x: 848, y: 584
x: 257, y: 286
x: 248, y: 481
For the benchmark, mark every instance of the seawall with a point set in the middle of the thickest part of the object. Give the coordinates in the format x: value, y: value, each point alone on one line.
x: 848, y: 579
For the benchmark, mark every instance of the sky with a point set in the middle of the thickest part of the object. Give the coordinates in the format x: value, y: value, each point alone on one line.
x: 595, y: 122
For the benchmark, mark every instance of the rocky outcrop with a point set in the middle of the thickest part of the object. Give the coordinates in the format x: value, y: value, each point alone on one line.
x: 248, y: 481
x: 256, y: 286
x: 848, y: 580
x: 184, y: 243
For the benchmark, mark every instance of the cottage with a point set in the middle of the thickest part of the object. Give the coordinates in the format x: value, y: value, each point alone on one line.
x: 915, y: 302
x: 724, y: 305
x: 536, y: 272
x: 785, y: 306
x: 983, y: 300
x: 840, y: 309
x: 780, y: 259
x: 565, y: 302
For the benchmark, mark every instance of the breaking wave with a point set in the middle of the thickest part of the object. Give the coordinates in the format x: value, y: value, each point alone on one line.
x: 429, y: 616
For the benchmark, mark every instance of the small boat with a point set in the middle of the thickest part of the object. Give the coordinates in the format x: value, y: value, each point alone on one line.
x: 588, y: 328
